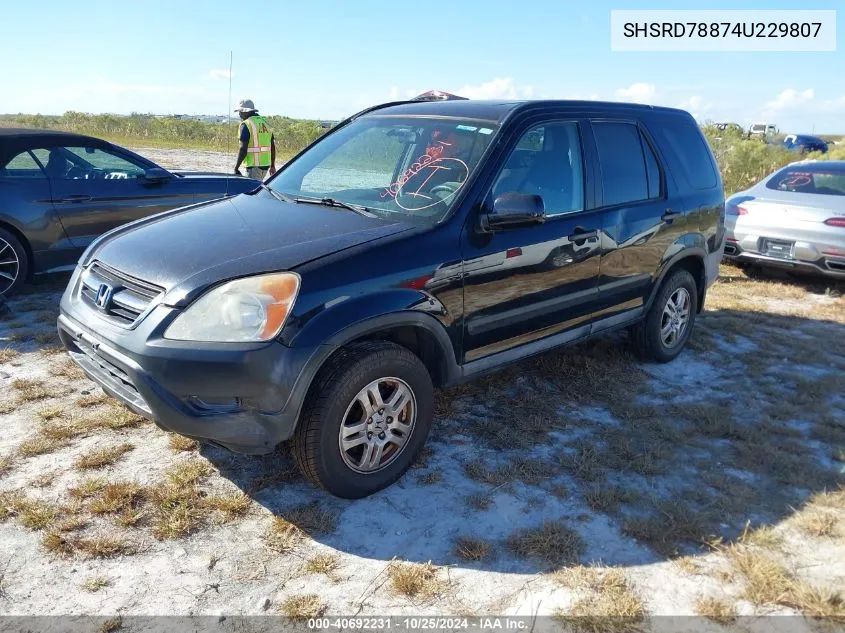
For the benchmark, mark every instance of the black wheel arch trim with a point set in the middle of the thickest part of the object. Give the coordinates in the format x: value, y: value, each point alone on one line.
x: 359, y: 330
x: 668, y: 266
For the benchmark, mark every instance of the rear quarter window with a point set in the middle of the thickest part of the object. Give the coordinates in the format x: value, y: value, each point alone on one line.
x: 686, y: 149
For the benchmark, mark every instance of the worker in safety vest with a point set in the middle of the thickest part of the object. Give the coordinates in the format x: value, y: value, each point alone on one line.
x: 257, y: 145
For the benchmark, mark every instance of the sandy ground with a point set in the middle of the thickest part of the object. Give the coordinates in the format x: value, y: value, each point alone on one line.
x: 665, y: 473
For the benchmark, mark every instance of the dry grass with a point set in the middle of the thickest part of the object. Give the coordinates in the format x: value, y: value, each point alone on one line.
x: 764, y: 536
x: 41, y: 445
x: 7, y: 406
x: 94, y: 547
x: 818, y: 522
x: 688, y: 565
x: 553, y: 543
x: 180, y: 443
x: 671, y: 524
x: 30, y: 390
x: 287, y: 531
x: 529, y: 471
x: 88, y: 488
x: 175, y: 510
x: 34, y: 514
x: 49, y: 413
x: 302, y: 607
x: 117, y: 497
x: 430, y: 478
x: 585, y: 464
x: 67, y: 369
x: 415, y: 580
x: 716, y: 610
x: 95, y: 583
x: 326, y: 564
x: 229, y: 506
x: 473, y: 549
x: 611, y: 606
x: 607, y: 499
x: 7, y: 462
x: 114, y: 418
x: 188, y: 473
x: 479, y: 501
x: 111, y: 625
x: 8, y: 354
x: 829, y: 499
x: 102, y: 457
x: 92, y: 400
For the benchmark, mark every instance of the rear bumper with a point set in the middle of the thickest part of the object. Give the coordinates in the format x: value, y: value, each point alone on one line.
x: 246, y: 399
x: 807, y: 257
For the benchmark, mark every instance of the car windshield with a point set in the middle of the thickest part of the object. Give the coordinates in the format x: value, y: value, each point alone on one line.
x: 409, y: 166
x: 829, y: 180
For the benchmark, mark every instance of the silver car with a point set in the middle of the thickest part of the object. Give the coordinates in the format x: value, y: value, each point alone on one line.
x: 794, y: 218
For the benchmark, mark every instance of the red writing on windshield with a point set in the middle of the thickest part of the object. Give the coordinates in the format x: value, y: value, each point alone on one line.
x: 431, y: 155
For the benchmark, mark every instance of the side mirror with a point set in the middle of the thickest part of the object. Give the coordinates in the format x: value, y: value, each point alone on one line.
x: 157, y: 174
x: 513, y: 210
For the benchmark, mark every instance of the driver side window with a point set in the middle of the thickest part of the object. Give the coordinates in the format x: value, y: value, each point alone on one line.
x: 70, y: 163
x: 546, y: 161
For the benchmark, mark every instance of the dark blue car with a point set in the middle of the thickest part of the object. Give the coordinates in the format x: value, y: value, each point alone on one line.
x: 805, y: 143
x: 59, y: 191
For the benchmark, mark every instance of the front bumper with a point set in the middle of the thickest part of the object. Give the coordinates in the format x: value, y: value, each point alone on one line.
x: 245, y: 398
x: 806, y: 256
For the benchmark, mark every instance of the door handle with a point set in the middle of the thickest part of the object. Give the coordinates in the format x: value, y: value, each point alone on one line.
x: 580, y: 235
x: 76, y: 198
x: 670, y: 215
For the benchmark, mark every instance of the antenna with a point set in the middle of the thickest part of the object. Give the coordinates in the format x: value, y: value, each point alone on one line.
x: 229, y: 109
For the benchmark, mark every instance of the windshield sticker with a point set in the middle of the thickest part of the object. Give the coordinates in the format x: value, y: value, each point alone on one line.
x: 484, y: 130
x: 467, y: 128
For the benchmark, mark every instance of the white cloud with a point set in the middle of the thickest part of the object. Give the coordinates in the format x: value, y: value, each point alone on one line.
x: 697, y: 107
x: 790, y: 100
x: 639, y: 92
x: 220, y: 73
x: 498, y: 88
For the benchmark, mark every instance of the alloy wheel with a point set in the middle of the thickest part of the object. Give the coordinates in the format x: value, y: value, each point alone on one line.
x: 377, y: 425
x: 9, y: 266
x: 675, y: 317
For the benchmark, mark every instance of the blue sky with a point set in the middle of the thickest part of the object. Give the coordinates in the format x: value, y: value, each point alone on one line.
x: 329, y: 59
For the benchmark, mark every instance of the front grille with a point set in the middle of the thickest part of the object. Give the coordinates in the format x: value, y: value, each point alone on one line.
x: 129, y: 297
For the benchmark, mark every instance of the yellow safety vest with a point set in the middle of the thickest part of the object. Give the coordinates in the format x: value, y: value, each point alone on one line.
x: 260, y: 137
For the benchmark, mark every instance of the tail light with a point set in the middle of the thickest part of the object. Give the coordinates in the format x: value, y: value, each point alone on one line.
x: 513, y: 252
x: 837, y: 221
x: 737, y: 210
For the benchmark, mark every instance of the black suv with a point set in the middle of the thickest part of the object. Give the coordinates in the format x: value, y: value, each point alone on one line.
x: 415, y: 245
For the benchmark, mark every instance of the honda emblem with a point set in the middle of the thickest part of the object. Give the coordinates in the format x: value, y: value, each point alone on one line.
x: 104, y: 295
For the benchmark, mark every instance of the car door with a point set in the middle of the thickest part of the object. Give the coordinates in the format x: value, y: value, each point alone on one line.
x: 524, y: 284
x: 26, y: 204
x: 99, y: 188
x: 639, y: 227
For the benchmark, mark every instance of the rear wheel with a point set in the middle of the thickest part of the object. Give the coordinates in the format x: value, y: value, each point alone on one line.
x: 663, y: 333
x: 367, y: 416
x: 14, y: 263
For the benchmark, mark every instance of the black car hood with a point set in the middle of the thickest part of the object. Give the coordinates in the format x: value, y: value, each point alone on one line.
x: 187, y: 250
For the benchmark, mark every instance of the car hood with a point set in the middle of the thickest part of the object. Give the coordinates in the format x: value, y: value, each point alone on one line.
x: 187, y: 250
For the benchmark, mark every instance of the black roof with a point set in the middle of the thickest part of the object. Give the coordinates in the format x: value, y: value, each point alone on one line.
x: 497, y: 110
x: 14, y: 139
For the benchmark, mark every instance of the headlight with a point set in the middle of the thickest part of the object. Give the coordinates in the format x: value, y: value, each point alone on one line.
x: 244, y: 310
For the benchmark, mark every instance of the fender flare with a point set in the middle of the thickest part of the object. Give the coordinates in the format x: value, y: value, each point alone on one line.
x: 692, y: 251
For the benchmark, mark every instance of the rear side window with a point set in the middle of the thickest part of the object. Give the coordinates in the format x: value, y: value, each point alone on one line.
x: 23, y: 165
x: 629, y: 169
x: 686, y: 148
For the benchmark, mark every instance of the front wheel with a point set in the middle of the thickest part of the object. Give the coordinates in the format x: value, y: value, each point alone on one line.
x: 14, y: 263
x: 367, y: 416
x: 663, y: 333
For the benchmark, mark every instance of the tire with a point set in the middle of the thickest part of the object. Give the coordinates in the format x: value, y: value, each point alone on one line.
x: 332, y: 407
x: 17, y: 263
x: 649, y: 341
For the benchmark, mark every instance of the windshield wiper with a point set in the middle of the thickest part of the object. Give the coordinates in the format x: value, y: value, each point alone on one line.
x: 331, y: 202
x: 276, y: 194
